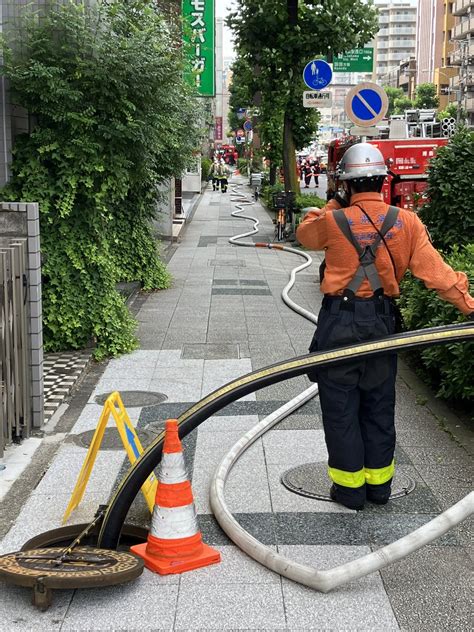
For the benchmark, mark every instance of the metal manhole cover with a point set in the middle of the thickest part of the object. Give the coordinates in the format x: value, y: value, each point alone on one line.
x: 85, y: 567
x: 112, y: 440
x: 311, y: 480
x: 135, y: 399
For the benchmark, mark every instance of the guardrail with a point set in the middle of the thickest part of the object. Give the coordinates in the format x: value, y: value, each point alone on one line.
x: 15, y: 410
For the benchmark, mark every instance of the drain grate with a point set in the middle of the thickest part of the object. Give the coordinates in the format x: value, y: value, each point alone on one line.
x: 135, y: 399
x: 311, y: 480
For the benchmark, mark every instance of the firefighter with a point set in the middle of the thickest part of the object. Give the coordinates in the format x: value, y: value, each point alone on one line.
x: 213, y: 175
x: 369, y: 246
x: 223, y: 173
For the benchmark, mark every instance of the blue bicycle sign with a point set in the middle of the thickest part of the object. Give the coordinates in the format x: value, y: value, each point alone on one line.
x: 317, y: 74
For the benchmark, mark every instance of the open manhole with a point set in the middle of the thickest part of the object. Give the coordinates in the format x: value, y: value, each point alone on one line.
x: 112, y: 440
x: 311, y: 480
x: 135, y: 399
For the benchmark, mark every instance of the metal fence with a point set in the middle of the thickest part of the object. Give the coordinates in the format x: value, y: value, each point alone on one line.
x: 15, y: 378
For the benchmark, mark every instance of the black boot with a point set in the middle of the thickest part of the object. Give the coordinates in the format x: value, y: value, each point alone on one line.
x: 339, y: 497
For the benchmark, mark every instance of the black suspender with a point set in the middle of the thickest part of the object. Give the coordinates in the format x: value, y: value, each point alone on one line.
x: 367, y: 254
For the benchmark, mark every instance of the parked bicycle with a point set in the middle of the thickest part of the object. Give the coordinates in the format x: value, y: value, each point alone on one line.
x: 283, y: 203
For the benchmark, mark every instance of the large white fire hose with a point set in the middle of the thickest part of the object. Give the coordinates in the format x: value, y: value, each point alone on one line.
x: 326, y: 580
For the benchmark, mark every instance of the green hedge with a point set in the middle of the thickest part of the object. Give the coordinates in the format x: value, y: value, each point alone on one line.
x: 448, y: 368
x: 242, y: 165
x: 206, y: 164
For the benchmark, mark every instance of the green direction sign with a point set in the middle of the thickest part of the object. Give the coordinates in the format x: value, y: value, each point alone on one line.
x: 199, y: 38
x: 355, y: 60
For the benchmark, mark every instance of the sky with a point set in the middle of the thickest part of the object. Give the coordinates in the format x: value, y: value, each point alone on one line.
x: 223, y: 7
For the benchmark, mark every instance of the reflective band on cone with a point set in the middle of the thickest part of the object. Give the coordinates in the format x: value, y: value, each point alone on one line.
x: 174, y: 543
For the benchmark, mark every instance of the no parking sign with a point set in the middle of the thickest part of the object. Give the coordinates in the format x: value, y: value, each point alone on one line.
x: 366, y: 104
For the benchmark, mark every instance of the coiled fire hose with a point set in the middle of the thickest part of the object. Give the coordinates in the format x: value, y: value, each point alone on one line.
x: 188, y: 421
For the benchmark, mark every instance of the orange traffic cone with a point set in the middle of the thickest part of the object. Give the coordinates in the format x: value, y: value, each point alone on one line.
x: 174, y: 542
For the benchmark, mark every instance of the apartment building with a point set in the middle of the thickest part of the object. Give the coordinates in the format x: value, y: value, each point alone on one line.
x: 462, y: 56
x: 395, y: 40
x: 434, y: 33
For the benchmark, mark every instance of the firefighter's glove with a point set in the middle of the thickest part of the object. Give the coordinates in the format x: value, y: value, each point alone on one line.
x: 342, y: 198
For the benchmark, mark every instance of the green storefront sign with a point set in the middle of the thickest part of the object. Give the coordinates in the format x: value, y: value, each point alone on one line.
x: 355, y: 60
x: 198, y: 37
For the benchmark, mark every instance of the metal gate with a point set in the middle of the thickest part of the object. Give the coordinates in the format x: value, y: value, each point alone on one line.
x: 15, y: 406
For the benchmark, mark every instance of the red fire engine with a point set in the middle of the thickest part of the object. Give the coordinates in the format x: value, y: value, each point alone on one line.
x: 407, y: 162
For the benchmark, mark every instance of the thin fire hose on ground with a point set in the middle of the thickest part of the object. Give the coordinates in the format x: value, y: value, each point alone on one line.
x: 121, y: 501
x: 323, y: 581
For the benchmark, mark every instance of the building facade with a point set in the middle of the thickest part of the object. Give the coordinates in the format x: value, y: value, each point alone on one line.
x: 434, y: 43
x: 462, y: 56
x: 396, y: 38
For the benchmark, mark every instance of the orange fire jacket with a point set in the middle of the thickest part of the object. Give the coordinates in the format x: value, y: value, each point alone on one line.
x: 409, y: 245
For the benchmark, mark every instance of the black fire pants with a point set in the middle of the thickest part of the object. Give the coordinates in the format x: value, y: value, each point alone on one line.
x: 357, y: 399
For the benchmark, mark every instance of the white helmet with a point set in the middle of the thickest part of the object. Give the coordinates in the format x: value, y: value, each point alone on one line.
x: 362, y: 160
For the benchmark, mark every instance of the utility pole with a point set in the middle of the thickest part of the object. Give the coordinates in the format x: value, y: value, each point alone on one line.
x: 462, y: 79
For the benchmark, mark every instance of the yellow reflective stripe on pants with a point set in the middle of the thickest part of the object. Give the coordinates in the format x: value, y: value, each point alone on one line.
x: 347, y: 479
x: 380, y: 475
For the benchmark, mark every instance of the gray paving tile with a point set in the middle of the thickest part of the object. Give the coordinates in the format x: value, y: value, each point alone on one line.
x: 45, y: 511
x: 289, y: 448
x: 430, y: 590
x: 360, y: 605
x: 17, y: 612
x: 186, y: 389
x: 227, y: 607
x: 211, y: 351
x: 118, y: 606
x: 236, y: 567
x: 64, y: 470
x: 434, y: 456
x: 448, y: 483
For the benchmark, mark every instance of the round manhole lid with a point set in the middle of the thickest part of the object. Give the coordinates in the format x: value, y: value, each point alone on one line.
x: 311, y: 480
x: 135, y: 399
x: 111, y: 439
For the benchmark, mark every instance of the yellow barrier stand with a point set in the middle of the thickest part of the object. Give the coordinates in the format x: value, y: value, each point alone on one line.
x: 113, y: 406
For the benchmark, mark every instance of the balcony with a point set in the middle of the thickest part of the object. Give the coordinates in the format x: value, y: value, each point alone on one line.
x: 400, y: 30
x: 464, y: 28
x: 398, y: 43
x: 456, y: 55
x: 461, y: 6
x: 397, y: 57
x: 382, y: 57
x: 469, y: 105
x: 383, y: 33
x: 382, y: 45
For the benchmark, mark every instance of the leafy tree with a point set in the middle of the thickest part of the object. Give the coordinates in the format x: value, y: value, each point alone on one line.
x: 448, y: 212
x: 401, y: 104
x: 279, y: 38
x: 450, y: 111
x: 392, y: 94
x: 426, y: 97
x: 112, y: 119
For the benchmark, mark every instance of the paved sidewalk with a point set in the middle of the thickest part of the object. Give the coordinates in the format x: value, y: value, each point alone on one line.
x: 222, y: 318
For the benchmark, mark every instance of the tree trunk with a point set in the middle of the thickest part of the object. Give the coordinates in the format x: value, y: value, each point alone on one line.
x: 289, y: 157
x: 273, y: 173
